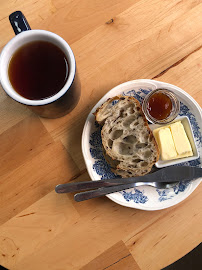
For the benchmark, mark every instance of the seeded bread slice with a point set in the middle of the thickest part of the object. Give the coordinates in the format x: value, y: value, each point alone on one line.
x: 129, y: 145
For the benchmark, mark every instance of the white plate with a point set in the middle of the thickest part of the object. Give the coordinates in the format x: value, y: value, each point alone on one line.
x: 145, y: 197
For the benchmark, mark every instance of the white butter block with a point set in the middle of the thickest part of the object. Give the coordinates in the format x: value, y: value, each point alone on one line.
x: 183, y: 157
x: 182, y: 144
x: 167, y: 147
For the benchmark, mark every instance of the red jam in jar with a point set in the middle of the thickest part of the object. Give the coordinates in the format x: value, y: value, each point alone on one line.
x: 159, y: 106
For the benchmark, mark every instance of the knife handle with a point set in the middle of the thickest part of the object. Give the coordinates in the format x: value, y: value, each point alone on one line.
x: 77, y: 186
x: 103, y: 191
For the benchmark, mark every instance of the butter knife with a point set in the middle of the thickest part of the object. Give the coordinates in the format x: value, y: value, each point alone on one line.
x: 169, y: 174
x: 82, y: 196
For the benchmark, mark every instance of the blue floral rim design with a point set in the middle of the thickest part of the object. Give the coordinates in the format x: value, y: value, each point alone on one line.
x: 102, y: 168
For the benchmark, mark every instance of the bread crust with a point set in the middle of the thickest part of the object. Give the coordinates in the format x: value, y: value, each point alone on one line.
x: 129, y: 145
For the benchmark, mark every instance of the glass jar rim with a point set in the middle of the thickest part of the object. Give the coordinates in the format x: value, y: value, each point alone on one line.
x: 175, y: 106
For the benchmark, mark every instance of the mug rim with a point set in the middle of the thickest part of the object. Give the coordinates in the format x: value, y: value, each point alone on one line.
x: 6, y: 85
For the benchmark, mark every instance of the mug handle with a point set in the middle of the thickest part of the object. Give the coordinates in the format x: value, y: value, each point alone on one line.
x: 19, y: 22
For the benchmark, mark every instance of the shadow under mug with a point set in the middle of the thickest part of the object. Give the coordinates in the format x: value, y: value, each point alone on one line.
x: 66, y: 98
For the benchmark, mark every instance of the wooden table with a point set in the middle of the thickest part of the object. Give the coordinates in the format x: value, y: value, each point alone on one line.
x: 113, y: 42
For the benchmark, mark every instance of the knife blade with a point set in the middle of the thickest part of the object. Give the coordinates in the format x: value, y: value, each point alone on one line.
x: 169, y: 174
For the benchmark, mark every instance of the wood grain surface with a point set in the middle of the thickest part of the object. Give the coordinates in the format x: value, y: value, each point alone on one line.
x: 113, y: 42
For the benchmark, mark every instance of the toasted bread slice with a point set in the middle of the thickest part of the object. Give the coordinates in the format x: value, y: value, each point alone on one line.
x: 129, y: 145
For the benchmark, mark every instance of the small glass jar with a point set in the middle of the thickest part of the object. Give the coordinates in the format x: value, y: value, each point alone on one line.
x: 161, y: 106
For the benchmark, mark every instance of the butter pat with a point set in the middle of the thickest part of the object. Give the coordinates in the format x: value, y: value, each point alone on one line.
x: 166, y: 144
x: 180, y: 139
x: 173, y: 141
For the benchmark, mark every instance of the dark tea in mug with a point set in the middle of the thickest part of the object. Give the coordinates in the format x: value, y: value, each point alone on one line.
x: 38, y: 70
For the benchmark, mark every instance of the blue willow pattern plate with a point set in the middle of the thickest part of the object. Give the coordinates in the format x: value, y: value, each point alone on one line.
x: 144, y: 197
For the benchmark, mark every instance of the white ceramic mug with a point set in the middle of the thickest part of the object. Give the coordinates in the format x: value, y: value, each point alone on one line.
x: 66, y: 98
